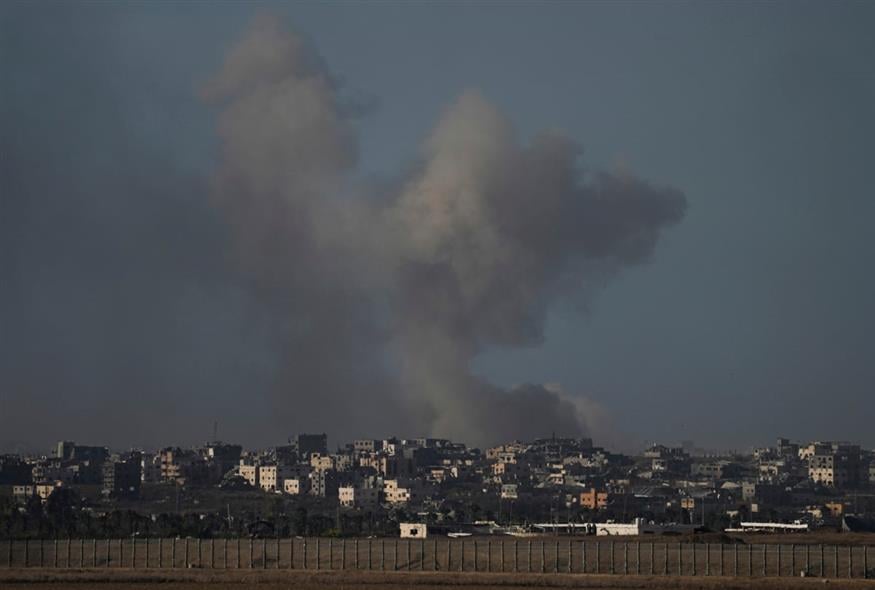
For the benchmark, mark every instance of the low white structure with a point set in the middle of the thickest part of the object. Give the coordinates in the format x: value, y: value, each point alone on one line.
x: 413, y: 530
x: 770, y: 527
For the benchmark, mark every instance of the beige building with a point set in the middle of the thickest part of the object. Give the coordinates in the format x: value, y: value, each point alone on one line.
x: 398, y: 492
x: 413, y: 530
x: 296, y: 485
x: 322, y: 462
x: 250, y: 474
x: 356, y: 497
x: 594, y: 499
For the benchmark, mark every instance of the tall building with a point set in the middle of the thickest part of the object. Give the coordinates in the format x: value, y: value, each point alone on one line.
x: 311, y: 443
x: 122, y: 476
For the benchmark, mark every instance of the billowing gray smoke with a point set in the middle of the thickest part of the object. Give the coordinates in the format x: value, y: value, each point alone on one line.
x: 383, y: 301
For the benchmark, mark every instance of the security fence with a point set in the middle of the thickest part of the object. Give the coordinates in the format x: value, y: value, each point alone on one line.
x: 573, y: 556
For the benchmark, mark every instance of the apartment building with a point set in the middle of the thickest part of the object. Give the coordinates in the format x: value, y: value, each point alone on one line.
x: 594, y: 499
x: 358, y: 497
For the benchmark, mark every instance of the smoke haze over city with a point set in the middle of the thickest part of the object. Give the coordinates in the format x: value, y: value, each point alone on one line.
x: 281, y: 221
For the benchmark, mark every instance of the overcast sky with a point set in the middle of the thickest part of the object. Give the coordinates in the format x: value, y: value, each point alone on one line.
x: 752, y: 317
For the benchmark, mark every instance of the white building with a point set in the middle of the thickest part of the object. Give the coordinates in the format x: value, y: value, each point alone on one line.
x: 413, y: 530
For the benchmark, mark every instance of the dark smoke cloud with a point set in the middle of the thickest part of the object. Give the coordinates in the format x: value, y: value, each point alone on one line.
x: 279, y: 294
x: 471, y: 250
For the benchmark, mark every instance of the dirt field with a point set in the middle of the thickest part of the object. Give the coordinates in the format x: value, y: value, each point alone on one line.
x: 273, y: 580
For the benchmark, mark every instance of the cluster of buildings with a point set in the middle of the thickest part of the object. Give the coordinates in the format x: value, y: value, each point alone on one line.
x: 545, y: 482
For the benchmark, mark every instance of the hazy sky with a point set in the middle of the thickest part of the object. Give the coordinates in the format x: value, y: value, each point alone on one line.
x: 752, y: 318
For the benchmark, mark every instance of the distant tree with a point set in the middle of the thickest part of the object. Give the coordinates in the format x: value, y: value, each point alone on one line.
x: 299, y: 521
x: 61, y: 510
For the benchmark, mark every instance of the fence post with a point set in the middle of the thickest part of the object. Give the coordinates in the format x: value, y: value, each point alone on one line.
x: 583, y: 557
x: 865, y: 562
x: 160, y: 552
x: 94, y: 552
x: 598, y: 557
x: 793, y: 559
x: 42, y: 552
x: 556, y: 558
x: 55, y: 555
x: 69, y: 543
x: 304, y: 552
x: 570, y: 556
x: 750, y: 560
x: 707, y: 559
x: 735, y: 560
x: 822, y: 567
x: 475, y: 555
x: 721, y: 559
x: 172, y: 554
x: 638, y: 558
x: 370, y: 559
x: 680, y: 559
x: 652, y: 557
x: 765, y: 560
x: 807, y: 559
x: 383, y: 555
x: 530, y: 556
x: 665, y: 559
x: 543, y: 556
x: 850, y: 561
x: 779, y: 558
x: 488, y: 555
x: 625, y: 558
x: 81, y: 553
x: 26, y: 551
x: 612, y: 557
x: 421, y: 554
x: 462, y: 556
x: 694, y: 558
x: 835, y: 560
x: 395, y: 562
x: 434, y: 555
x: 147, y: 554
x: 318, y: 555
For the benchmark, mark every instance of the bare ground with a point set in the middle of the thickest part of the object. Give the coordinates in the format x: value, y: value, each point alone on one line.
x: 35, y: 579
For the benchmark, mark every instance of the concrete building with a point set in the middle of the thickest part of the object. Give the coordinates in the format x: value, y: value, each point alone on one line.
x: 122, y: 476
x: 324, y: 483
x: 250, y: 473
x: 510, y: 491
x: 358, y: 497
x: 594, y: 499
x: 295, y: 486
x: 836, y: 465
x: 413, y: 530
x: 308, y: 444
x: 271, y: 478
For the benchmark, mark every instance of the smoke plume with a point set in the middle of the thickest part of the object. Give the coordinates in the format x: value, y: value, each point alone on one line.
x: 381, y: 303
